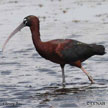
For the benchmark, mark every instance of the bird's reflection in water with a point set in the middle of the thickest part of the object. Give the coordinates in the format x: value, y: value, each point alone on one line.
x: 54, y: 92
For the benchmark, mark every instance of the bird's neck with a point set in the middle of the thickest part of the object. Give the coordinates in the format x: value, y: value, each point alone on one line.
x: 36, y: 35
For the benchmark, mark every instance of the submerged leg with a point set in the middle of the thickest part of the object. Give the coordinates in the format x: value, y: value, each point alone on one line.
x: 89, y: 77
x: 63, y: 76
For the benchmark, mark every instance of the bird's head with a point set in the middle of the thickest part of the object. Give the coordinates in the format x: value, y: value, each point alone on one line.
x: 28, y: 21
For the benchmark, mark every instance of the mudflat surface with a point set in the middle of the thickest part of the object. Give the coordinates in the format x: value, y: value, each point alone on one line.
x: 29, y: 81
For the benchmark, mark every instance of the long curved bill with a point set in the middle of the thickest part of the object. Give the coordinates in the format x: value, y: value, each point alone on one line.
x: 12, y: 34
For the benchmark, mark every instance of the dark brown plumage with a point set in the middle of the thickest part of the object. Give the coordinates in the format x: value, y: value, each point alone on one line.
x: 60, y: 51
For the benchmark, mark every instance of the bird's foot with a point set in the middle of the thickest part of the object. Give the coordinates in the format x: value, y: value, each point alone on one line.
x: 91, y: 79
x: 92, y: 82
x: 63, y: 84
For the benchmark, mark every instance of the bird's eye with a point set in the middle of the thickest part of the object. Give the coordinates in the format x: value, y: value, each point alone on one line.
x: 25, y: 21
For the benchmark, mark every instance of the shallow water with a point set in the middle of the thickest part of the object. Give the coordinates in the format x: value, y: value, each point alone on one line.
x: 29, y: 81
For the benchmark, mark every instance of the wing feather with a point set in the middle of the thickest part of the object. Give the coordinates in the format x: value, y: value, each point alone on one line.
x: 75, y: 50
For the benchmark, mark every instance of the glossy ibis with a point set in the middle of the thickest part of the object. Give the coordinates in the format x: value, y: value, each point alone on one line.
x: 60, y: 51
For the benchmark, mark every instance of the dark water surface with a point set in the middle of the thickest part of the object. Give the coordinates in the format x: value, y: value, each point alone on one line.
x: 29, y: 81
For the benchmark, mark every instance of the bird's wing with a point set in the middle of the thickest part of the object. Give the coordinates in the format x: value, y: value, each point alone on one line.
x: 74, y: 50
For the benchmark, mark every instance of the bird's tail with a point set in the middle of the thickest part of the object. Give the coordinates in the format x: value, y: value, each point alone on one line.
x: 98, y: 49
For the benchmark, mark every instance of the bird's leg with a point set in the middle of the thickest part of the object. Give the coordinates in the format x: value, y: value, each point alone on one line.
x: 63, y: 76
x: 89, y: 77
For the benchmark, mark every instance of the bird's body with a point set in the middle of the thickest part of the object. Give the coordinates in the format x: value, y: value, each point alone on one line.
x: 66, y: 51
x: 61, y: 51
